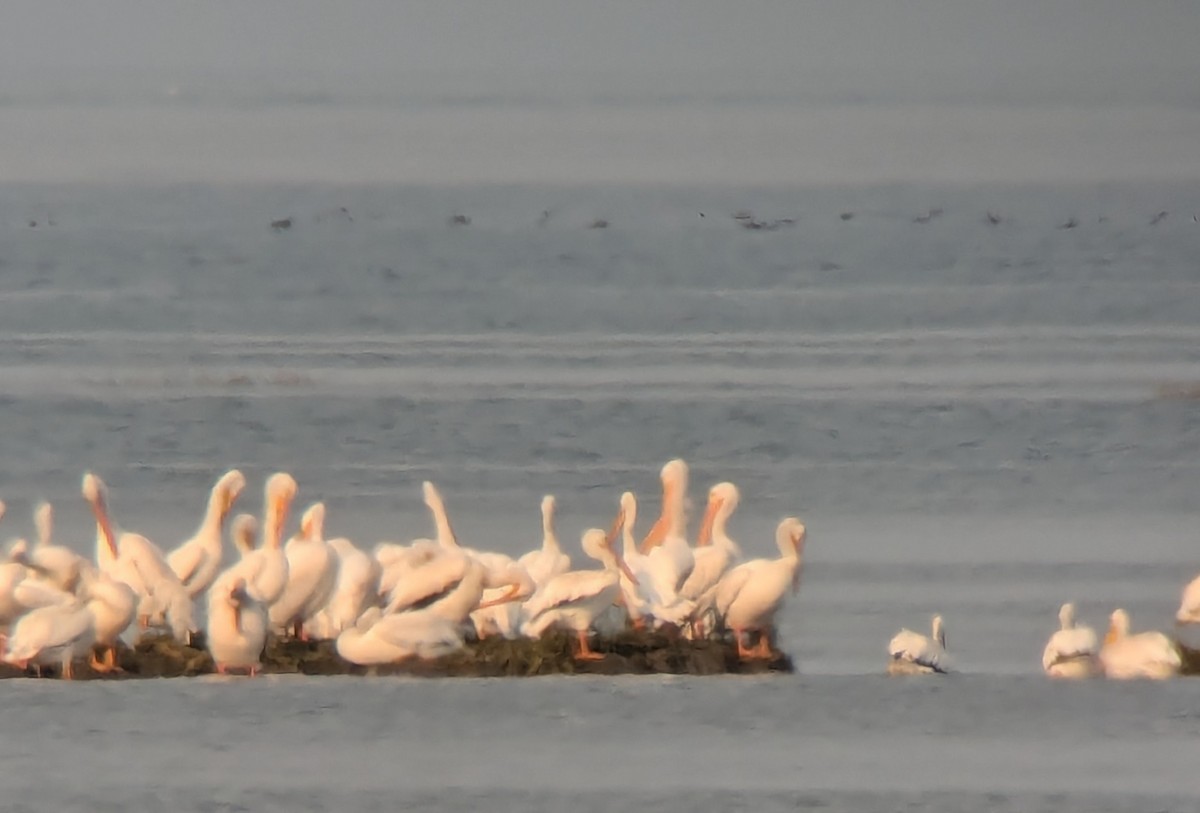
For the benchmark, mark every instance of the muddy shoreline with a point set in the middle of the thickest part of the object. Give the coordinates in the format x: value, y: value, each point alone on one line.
x: 629, y: 653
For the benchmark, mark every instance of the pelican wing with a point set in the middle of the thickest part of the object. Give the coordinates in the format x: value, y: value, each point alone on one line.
x: 1065, y: 645
x: 427, y: 582
x: 710, y: 565
x: 567, y: 588
x: 46, y: 628
x: 733, y: 583
x: 34, y: 593
x: 418, y: 632
x: 1189, y: 607
x: 187, y: 560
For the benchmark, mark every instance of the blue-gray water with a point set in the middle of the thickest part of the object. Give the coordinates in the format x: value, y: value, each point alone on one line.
x: 978, y: 418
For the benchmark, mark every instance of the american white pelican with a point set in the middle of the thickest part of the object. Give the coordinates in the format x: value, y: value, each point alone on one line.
x: 23, y: 588
x: 914, y: 654
x: 356, y: 588
x: 265, y: 569
x: 715, y: 552
x: 1071, y: 650
x: 1145, y: 655
x: 197, y: 561
x: 574, y: 599
x: 113, y: 605
x: 136, y: 561
x: 237, y: 626
x: 58, y: 634
x: 499, y: 610
x: 397, y: 561
x: 61, y: 565
x: 748, y: 597
x: 1189, y: 606
x: 312, y: 574
x: 377, y: 638
x: 244, y: 531
x: 640, y: 600
x: 669, y: 559
x: 427, y: 582
x: 549, y: 560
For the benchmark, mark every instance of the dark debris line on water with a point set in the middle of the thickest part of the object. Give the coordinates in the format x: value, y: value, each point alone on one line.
x: 630, y: 653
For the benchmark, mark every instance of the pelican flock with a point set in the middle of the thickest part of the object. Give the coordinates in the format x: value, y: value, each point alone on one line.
x: 426, y: 597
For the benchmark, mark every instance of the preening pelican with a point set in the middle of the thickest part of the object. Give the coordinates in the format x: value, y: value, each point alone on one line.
x: 1071, y: 650
x: 499, y: 610
x: 549, y: 560
x: 197, y: 561
x: 750, y: 595
x: 356, y: 588
x: 1145, y: 655
x: 312, y: 574
x: 574, y: 599
x: 715, y: 552
x: 237, y: 626
x: 669, y: 559
x: 244, y: 530
x: 60, y: 565
x: 914, y: 654
x: 136, y: 561
x: 113, y: 605
x: 58, y: 634
x: 377, y: 638
x: 265, y: 569
x: 1189, y: 606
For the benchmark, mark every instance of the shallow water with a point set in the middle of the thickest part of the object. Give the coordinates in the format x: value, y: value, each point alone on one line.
x: 964, y: 348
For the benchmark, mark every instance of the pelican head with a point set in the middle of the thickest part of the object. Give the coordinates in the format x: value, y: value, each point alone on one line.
x: 94, y: 489
x: 228, y: 488
x: 939, y: 632
x: 1066, y: 616
x: 17, y: 551
x: 281, y: 490
x: 722, y: 500
x: 3, y: 508
x: 430, y: 493
x: 312, y: 524
x: 1118, y: 626
x: 245, y: 532
x: 549, y: 503
x: 43, y: 520
x: 95, y: 492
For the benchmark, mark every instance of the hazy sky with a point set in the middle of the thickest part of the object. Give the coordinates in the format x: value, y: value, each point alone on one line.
x: 783, y: 62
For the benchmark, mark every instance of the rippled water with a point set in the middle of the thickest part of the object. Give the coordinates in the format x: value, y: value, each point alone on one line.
x: 945, y: 313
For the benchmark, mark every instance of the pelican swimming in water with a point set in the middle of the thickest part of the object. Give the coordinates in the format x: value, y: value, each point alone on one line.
x: 265, y: 569
x: 915, y: 654
x: 549, y: 560
x: 312, y: 574
x: 237, y: 627
x: 136, y: 561
x: 1189, y: 605
x: 198, y: 560
x: 1144, y: 655
x: 749, y: 596
x: 1071, y: 650
x: 576, y: 598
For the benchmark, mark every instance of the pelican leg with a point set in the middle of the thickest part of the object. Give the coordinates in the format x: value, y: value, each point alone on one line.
x: 585, y: 652
x: 743, y: 653
x: 109, y: 664
x: 143, y: 622
x: 298, y: 630
x: 68, y: 670
x: 763, y: 650
x: 254, y: 670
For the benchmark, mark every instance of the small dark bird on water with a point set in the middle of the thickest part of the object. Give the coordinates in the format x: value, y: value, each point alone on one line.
x: 1154, y: 221
x: 281, y: 225
x: 993, y: 218
x: 928, y: 216
x: 1070, y: 224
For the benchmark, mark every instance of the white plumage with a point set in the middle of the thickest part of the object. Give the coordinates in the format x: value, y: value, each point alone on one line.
x: 914, y: 654
x: 1071, y: 650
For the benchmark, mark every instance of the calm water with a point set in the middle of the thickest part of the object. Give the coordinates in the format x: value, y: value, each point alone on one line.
x: 965, y: 349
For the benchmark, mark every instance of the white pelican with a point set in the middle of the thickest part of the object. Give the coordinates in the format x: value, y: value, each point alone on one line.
x: 1071, y: 650
x: 914, y: 654
x: 499, y: 611
x: 715, y: 552
x: 1189, y: 606
x: 1145, y: 655
x: 748, y: 596
x: 549, y: 560
x: 197, y: 561
x: 237, y: 627
x: 265, y: 569
x: 136, y: 561
x: 22, y: 587
x: 397, y: 561
x: 244, y: 531
x: 356, y: 588
x: 113, y: 605
x: 377, y: 638
x: 312, y: 574
x: 640, y: 598
x: 61, y: 565
x: 574, y: 599
x: 669, y: 559
x: 57, y: 634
